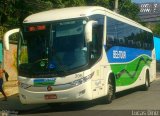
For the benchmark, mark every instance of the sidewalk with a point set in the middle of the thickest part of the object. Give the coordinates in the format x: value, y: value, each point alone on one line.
x: 13, y: 103
x: 10, y: 88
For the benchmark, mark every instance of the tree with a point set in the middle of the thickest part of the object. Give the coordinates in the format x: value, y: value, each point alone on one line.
x: 155, y: 27
x: 103, y: 3
x: 13, y: 12
x: 129, y: 9
x: 156, y: 30
x: 126, y: 7
x: 68, y: 3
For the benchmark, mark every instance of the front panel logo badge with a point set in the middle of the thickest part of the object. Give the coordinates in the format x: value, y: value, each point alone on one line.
x: 49, y: 88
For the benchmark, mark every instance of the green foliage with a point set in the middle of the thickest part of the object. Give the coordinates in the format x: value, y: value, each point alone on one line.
x: 37, y: 6
x: 129, y: 9
x: 155, y: 28
x: 13, y: 12
x: 103, y: 3
x: 24, y: 55
x: 2, y: 31
x: 68, y: 3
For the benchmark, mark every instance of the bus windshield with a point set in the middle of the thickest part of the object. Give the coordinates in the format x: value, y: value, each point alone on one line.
x: 53, y: 48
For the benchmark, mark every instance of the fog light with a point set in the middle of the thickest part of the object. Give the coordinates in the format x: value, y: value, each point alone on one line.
x: 23, y: 96
x: 82, y: 92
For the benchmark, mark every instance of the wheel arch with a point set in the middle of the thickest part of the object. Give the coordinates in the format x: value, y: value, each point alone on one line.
x: 113, y: 78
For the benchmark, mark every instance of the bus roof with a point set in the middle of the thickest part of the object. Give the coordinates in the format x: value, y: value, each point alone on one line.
x: 62, y: 13
x: 77, y: 12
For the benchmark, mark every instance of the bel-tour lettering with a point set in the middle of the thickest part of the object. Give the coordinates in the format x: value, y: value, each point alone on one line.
x: 119, y: 54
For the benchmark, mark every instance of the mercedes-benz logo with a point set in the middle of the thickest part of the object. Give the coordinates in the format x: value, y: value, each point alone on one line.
x: 49, y: 88
x: 42, y: 63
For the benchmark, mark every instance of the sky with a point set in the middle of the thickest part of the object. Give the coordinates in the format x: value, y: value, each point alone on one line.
x: 144, y: 1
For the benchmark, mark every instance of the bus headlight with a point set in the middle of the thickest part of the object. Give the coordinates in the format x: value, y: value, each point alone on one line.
x: 82, y: 80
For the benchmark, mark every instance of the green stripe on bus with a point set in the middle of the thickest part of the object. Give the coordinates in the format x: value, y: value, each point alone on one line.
x: 128, y: 73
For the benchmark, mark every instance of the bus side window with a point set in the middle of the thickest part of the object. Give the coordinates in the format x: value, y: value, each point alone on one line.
x: 121, y: 41
x: 116, y: 42
x: 110, y: 41
x: 138, y: 44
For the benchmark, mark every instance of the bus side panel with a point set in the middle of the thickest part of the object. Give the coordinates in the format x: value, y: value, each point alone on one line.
x: 153, y: 67
x: 127, y: 63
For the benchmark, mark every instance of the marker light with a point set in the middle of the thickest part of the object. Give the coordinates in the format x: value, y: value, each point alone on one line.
x: 41, y: 27
x: 32, y: 28
x: 36, y: 28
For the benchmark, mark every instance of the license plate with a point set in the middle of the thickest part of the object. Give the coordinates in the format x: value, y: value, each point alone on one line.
x: 50, y: 96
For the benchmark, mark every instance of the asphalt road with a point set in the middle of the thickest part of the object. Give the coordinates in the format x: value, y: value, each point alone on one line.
x: 131, y: 102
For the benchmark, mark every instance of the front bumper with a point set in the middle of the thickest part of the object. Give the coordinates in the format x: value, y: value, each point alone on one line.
x: 82, y: 92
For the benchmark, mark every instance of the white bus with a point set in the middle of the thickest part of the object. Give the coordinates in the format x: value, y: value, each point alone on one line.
x: 80, y: 54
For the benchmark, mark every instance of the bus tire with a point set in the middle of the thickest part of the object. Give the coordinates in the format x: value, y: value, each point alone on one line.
x: 146, y: 85
x: 111, y: 90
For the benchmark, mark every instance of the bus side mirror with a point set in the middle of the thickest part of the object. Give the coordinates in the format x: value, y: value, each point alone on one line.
x: 6, y: 37
x: 88, y: 30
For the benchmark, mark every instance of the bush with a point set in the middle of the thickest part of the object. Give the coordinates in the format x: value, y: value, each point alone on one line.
x: 2, y: 31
